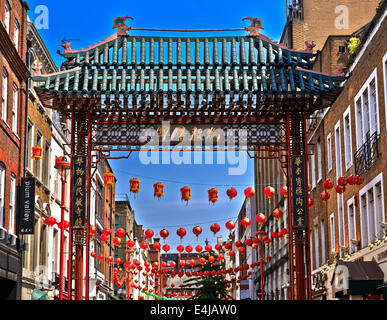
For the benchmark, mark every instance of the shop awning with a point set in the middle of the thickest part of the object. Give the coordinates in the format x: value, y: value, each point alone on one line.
x: 39, y: 295
x: 357, y: 278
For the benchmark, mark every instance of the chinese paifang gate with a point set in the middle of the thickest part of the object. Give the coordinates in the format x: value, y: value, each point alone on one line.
x: 117, y: 87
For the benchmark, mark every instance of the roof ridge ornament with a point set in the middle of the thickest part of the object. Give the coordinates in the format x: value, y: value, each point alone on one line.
x: 122, y: 27
x: 255, y: 25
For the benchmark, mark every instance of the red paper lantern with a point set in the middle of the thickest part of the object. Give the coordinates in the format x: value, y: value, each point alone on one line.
x: 261, y: 218
x: 284, y: 191
x: 117, y: 241
x: 158, y: 190
x: 50, y: 221
x: 185, y: 194
x: 255, y: 246
x: 231, y: 253
x: 230, y: 225
x: 249, y: 193
x: 180, y: 248
x: 274, y: 235
x: 130, y: 243
x: 269, y: 191
x: 324, y: 195
x: 228, y: 245
x: 149, y: 233
x: 213, y: 195
x: 211, y: 259
x: 103, y: 238
x: 277, y: 213
x: 93, y: 254
x: 198, y: 248
x: 166, y: 247
x: 183, y: 263
x: 188, y: 249
x: 100, y: 257
x: 93, y: 230
x: 215, y: 228
x: 197, y: 231
x: 232, y: 193
x: 181, y: 232
x: 144, y: 245
x: 156, y: 245
x: 342, y: 181
x: 340, y: 189
x: 242, y: 250
x: 208, y: 248
x: 310, y: 202
x: 108, y: 178
x: 164, y: 233
x: 202, y: 261
x: 106, y: 231
x: 37, y: 152
x: 327, y: 184
x: 220, y: 256
x: 283, y: 233
x: 192, y: 262
x: 66, y: 224
x: 172, y: 264
x: 120, y: 232
x: 118, y: 261
x: 218, y: 247
x: 134, y: 185
x: 238, y: 244
x: 245, y: 222
x: 248, y: 242
x: 266, y: 240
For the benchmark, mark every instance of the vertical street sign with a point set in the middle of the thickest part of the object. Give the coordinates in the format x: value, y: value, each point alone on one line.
x: 299, y: 192
x: 79, y: 192
x: 27, y: 206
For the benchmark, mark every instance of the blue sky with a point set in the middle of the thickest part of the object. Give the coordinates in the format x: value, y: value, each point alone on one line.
x: 87, y: 22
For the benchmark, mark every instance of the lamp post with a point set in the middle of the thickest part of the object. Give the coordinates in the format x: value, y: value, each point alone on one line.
x: 62, y: 164
x: 261, y: 235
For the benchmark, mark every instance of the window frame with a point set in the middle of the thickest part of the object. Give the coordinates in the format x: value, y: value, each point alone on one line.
x: 332, y: 231
x: 338, y: 150
x: 361, y: 137
x: 348, y: 158
x: 385, y: 84
x: 12, y: 205
x: 16, y: 34
x: 365, y: 215
x: 319, y: 160
x: 352, y: 230
x: 7, y: 16
x: 15, y: 109
x: 329, y: 152
x: 4, y: 95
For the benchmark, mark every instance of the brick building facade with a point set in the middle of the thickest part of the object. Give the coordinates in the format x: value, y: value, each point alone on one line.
x: 13, y: 82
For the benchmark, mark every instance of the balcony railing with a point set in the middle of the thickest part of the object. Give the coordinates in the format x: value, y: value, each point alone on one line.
x: 367, y: 154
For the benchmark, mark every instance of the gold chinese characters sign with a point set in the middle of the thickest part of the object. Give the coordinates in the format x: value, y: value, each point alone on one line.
x: 299, y: 192
x: 79, y: 192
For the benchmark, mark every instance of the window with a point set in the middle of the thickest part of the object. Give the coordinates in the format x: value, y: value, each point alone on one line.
x: 16, y: 35
x: 35, y: 254
x: 316, y: 246
x: 367, y: 111
x: 313, y: 170
x: 46, y: 164
x: 347, y: 138
x: 38, y: 165
x: 55, y: 252
x: 329, y: 152
x: 340, y: 210
x: 385, y: 83
x: 342, y: 49
x: 7, y: 15
x: 351, y: 222
x: 339, y: 171
x: 371, y: 210
x: 333, y: 233
x: 4, y: 97
x: 2, y: 183
x: 15, y: 103
x: 12, y: 203
x: 322, y: 232
x: 99, y: 200
x: 319, y: 161
x: 29, y: 141
x: 43, y: 246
